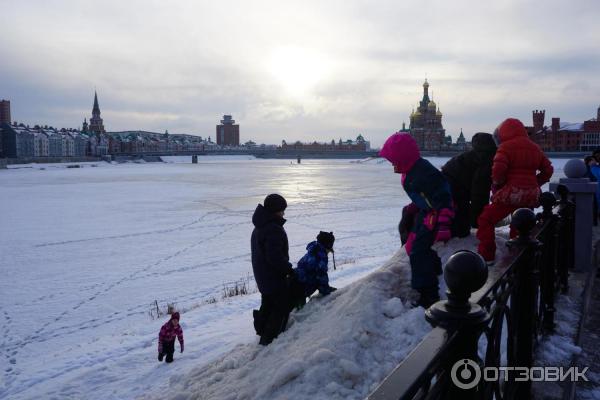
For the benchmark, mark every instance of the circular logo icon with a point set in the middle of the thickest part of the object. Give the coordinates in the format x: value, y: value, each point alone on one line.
x: 465, y: 374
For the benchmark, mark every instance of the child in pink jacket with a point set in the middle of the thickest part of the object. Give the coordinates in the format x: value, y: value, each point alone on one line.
x: 166, y: 338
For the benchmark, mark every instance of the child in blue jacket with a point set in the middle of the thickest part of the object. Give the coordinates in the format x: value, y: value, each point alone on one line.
x: 311, y: 273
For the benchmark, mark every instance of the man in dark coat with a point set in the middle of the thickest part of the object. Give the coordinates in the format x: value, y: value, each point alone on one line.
x: 470, y: 177
x: 272, y: 269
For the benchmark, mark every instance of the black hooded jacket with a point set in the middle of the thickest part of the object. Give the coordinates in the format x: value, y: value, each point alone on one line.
x: 270, y: 251
x: 471, y: 172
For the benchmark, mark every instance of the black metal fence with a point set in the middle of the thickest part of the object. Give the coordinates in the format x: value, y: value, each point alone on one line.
x: 492, y: 318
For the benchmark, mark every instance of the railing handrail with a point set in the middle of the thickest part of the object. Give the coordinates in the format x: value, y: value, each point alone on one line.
x: 416, y: 371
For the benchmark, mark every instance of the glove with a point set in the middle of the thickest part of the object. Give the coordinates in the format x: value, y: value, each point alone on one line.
x: 291, y: 279
x: 181, y: 348
x: 444, y: 221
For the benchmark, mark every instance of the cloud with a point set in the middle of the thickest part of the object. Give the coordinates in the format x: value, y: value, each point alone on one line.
x: 182, y: 65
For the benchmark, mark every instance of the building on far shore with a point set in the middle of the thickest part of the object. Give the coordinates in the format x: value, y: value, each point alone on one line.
x: 4, y: 119
x: 228, y: 133
x: 360, y: 144
x: 563, y: 136
x: 5, y: 111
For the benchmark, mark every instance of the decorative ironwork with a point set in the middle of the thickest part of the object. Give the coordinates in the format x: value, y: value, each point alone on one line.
x: 507, y: 314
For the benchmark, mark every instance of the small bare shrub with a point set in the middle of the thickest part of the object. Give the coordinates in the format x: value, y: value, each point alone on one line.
x: 240, y: 287
x: 157, y: 311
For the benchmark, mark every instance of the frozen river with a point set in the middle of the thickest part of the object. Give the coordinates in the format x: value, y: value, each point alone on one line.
x: 85, y: 252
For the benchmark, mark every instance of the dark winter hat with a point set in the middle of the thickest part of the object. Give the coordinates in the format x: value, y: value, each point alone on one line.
x: 326, y: 239
x: 483, y: 142
x: 175, y: 315
x: 275, y: 203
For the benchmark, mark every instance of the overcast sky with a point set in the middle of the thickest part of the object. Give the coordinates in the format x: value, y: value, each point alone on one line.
x: 298, y: 70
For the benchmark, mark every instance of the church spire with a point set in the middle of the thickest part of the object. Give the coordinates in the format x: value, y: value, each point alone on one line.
x: 426, y: 99
x: 96, y: 109
x: 96, y: 124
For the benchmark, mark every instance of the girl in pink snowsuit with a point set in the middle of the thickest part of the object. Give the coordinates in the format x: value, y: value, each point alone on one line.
x: 166, y: 338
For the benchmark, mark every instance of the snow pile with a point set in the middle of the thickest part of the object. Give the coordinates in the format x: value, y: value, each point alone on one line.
x: 559, y: 348
x: 337, y: 347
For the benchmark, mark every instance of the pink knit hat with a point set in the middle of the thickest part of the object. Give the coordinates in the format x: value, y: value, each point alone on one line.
x: 401, y: 150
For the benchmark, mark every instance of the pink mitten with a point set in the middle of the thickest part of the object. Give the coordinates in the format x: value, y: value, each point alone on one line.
x: 444, y: 221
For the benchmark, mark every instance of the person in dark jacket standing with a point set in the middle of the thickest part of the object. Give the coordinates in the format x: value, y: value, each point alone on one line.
x: 272, y: 269
x: 470, y: 177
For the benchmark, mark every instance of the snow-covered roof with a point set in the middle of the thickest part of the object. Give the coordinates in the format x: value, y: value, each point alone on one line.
x: 571, y: 126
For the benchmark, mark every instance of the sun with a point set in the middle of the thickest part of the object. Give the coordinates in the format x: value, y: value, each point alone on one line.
x: 297, y: 69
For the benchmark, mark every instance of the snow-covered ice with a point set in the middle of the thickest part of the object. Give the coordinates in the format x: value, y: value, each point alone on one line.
x: 87, y: 251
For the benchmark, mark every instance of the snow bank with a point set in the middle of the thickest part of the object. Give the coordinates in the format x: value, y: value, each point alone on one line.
x: 337, y: 347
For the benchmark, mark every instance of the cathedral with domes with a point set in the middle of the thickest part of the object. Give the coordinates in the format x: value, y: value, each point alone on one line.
x: 426, y: 123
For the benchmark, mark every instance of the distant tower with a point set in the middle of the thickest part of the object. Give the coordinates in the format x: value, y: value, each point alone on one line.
x: 598, y: 114
x: 425, y: 91
x: 5, y: 111
x: 228, y: 133
x: 84, y: 126
x: 555, y: 124
x: 461, y: 142
x: 538, y: 120
x: 96, y: 125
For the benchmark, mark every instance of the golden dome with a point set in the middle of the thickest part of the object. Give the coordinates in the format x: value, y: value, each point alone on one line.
x: 438, y: 113
x: 431, y: 104
x: 417, y: 113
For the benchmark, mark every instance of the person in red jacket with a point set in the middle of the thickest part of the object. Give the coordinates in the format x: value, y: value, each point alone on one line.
x: 166, y: 338
x: 515, y: 182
